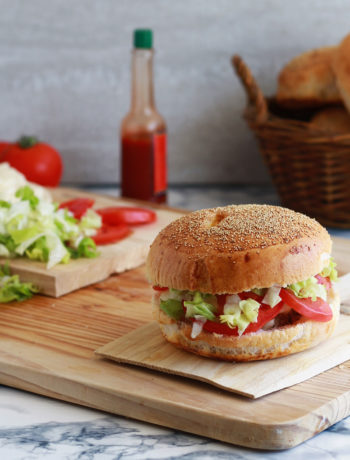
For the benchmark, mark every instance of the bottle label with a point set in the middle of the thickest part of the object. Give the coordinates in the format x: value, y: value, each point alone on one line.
x: 159, y: 164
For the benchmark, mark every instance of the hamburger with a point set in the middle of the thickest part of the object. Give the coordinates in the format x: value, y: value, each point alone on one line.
x: 244, y: 283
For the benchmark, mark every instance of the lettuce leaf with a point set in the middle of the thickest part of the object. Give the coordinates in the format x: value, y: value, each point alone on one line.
x: 308, y: 288
x: 90, y: 222
x: 39, y: 230
x: 198, y: 306
x: 240, y: 315
x: 38, y: 250
x: 86, y: 248
x: 172, y: 308
x: 11, y: 287
x: 27, y: 194
x: 8, y: 242
x: 4, y: 204
x: 330, y: 271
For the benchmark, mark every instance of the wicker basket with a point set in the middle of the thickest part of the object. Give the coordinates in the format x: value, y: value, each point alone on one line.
x: 311, y: 170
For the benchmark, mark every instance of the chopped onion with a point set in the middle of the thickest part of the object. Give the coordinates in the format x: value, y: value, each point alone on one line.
x: 272, y: 297
x: 197, y: 326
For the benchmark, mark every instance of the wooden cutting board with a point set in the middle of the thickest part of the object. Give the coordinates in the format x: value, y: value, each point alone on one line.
x: 47, y: 347
x: 129, y: 253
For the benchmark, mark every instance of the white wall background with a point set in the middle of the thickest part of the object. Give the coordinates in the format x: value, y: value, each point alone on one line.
x: 65, y: 75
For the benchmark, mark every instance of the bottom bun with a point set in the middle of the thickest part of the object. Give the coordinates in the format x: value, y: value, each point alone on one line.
x: 273, y: 343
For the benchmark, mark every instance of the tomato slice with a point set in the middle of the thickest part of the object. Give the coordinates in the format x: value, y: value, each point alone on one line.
x: 250, y: 295
x: 108, y: 235
x: 160, y: 288
x: 78, y: 206
x: 325, y: 281
x: 116, y: 215
x: 221, y: 298
x: 318, y: 309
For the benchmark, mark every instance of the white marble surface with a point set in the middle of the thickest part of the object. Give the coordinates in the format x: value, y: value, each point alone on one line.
x: 65, y: 76
x: 34, y: 427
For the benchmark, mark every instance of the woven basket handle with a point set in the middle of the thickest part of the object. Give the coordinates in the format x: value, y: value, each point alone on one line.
x: 254, y: 93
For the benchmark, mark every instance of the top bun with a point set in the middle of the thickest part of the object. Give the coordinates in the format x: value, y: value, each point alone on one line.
x: 237, y: 248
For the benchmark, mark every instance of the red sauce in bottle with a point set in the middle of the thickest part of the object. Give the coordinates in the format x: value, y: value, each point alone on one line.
x: 143, y: 132
x: 144, y: 167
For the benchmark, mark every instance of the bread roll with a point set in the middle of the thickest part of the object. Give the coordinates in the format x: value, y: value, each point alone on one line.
x: 331, y: 121
x: 308, y: 80
x: 341, y: 68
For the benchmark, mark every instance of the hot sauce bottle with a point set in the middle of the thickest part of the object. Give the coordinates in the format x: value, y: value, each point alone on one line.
x: 143, y: 131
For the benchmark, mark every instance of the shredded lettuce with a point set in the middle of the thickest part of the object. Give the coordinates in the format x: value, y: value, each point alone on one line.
x: 308, y: 288
x: 330, y: 271
x: 4, y: 204
x: 11, y: 287
x: 172, y: 308
x: 86, y: 248
x: 90, y: 222
x: 311, y: 287
x: 26, y: 194
x: 241, y: 314
x: 198, y: 306
x: 4, y: 252
x: 40, y: 231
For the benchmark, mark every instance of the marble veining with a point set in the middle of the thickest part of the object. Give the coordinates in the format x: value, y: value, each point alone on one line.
x: 118, y: 438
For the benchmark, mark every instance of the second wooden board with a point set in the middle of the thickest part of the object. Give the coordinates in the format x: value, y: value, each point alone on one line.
x: 114, y: 258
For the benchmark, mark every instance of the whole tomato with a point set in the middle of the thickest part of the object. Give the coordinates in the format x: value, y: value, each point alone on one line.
x: 39, y: 162
x: 4, y: 145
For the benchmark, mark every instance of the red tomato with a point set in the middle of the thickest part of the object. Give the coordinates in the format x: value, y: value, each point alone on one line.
x: 160, y: 288
x: 78, y: 206
x: 318, y: 309
x: 324, y: 280
x: 3, y: 147
x: 39, y: 162
x: 116, y: 215
x: 221, y: 303
x: 266, y: 314
x: 250, y: 295
x: 108, y: 235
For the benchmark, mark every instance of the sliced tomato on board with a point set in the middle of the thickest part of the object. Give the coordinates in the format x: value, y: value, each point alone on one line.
x: 160, y: 288
x: 109, y: 235
x: 325, y: 281
x: 78, y: 206
x: 318, y: 310
x: 115, y: 215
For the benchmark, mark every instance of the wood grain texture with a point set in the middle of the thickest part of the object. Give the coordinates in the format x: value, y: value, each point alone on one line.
x: 114, y: 258
x: 47, y: 347
x: 146, y: 347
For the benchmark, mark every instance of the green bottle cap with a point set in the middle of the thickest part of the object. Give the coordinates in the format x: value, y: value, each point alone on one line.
x: 143, y: 38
